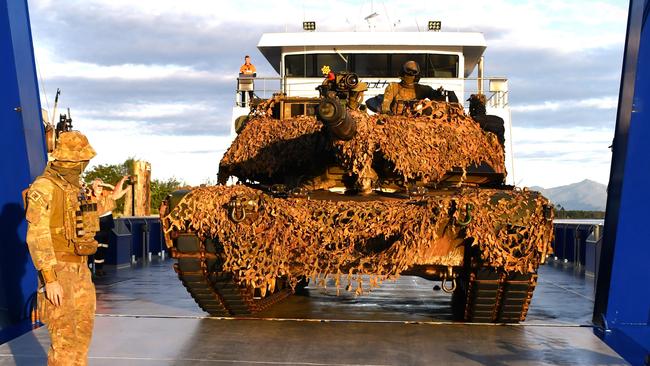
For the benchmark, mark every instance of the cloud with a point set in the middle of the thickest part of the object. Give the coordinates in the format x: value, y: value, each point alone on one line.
x: 192, y: 159
x: 555, y: 156
x: 610, y: 102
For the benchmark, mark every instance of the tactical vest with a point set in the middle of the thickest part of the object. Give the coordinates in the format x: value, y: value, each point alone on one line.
x: 402, y: 97
x: 74, y: 219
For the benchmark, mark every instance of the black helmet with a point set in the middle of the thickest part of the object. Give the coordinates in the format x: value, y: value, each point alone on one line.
x: 410, y: 68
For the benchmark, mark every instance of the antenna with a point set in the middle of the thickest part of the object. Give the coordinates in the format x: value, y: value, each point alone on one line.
x: 392, y: 25
x: 373, y: 14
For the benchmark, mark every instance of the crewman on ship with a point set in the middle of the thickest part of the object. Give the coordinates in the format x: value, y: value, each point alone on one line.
x: 246, y: 70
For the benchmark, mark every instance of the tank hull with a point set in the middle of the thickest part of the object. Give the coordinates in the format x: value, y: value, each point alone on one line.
x: 241, y: 249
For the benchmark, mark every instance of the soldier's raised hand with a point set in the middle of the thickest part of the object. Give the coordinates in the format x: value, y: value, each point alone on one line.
x: 54, y: 292
x: 119, y: 188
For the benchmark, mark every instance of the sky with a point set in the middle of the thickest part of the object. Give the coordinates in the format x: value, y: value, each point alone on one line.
x: 155, y: 80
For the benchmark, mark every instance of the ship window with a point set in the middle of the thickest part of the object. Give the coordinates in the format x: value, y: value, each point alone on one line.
x: 431, y: 65
x: 333, y: 60
x: 441, y: 66
x: 310, y: 65
x: 372, y: 64
x: 299, y: 65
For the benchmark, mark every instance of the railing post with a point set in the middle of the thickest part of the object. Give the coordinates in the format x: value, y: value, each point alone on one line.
x: 480, y: 75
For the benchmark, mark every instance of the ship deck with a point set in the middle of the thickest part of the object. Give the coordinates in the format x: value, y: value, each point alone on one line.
x: 145, y: 317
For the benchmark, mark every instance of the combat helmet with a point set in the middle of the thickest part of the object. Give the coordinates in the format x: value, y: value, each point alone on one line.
x: 410, y: 68
x: 73, y: 146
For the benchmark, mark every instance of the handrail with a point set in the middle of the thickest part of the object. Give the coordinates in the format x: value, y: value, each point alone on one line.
x: 274, y: 84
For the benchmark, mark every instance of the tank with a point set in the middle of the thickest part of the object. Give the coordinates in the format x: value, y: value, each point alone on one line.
x: 320, y: 190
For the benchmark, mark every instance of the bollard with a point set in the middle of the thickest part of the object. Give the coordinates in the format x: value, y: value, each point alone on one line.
x: 146, y: 255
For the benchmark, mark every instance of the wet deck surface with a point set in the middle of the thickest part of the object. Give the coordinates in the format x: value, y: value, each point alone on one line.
x: 145, y: 317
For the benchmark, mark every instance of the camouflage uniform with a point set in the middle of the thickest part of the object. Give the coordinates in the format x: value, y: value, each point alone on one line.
x: 59, y: 238
x: 395, y: 96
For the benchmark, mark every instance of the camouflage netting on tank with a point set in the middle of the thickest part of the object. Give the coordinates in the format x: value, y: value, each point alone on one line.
x: 270, y: 146
x: 423, y: 147
x: 349, y: 239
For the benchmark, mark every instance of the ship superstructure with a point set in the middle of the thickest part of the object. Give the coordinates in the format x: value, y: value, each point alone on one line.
x: 447, y: 60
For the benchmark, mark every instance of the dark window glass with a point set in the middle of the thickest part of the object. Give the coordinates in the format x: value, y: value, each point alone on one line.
x: 299, y: 65
x: 333, y: 60
x: 431, y: 65
x: 371, y: 65
x: 440, y: 66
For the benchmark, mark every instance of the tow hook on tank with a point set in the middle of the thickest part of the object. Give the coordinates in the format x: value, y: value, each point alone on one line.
x: 447, y: 279
x: 468, y: 215
x: 450, y: 275
x: 450, y: 289
x: 241, y: 207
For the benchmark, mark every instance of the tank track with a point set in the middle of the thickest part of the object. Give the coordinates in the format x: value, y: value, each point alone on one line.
x: 482, y: 295
x: 487, y: 295
x: 199, y: 267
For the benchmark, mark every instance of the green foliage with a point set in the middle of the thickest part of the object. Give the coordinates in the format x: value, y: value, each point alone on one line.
x: 160, y: 189
x: 112, y: 173
x: 109, y: 173
x: 561, y: 213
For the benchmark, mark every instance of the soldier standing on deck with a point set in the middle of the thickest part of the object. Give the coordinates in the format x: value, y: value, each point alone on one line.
x: 62, y: 221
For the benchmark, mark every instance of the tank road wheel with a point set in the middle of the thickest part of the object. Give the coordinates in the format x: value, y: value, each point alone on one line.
x: 488, y: 295
x: 200, y: 268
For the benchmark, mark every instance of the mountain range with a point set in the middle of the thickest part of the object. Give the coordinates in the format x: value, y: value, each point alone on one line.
x: 584, y: 196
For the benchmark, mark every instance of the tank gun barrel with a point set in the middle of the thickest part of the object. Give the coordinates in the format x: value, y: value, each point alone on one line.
x: 333, y: 114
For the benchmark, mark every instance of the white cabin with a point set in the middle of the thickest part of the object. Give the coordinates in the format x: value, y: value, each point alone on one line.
x: 446, y: 59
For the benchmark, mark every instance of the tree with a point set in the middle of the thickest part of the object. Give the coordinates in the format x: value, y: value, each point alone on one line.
x: 161, y: 189
x: 112, y: 173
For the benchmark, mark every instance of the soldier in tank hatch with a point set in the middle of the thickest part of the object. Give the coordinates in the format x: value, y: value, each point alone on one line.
x: 63, y: 219
x: 397, y: 96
